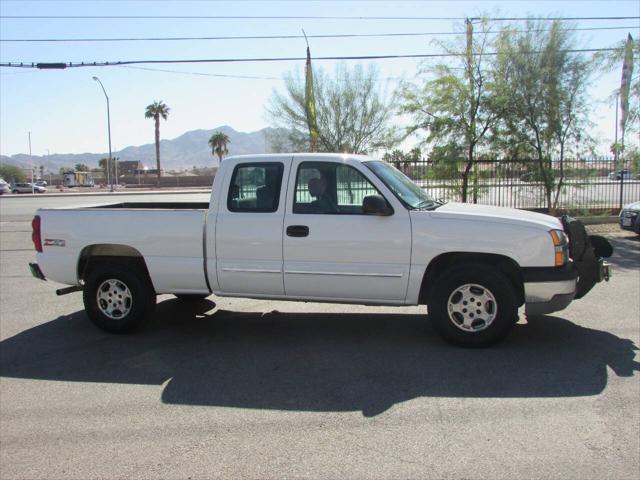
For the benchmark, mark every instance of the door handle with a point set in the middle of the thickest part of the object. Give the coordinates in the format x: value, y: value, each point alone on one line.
x: 297, y: 230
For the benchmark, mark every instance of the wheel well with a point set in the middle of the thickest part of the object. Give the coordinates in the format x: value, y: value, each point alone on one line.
x: 93, y: 255
x: 440, y: 263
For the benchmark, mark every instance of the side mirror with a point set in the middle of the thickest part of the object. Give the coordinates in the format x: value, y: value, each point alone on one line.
x: 376, y: 205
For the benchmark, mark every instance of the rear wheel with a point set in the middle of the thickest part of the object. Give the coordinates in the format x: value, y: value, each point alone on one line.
x: 473, y: 305
x: 118, y: 298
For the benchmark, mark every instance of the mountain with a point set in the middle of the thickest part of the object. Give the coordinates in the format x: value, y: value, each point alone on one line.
x: 188, y: 150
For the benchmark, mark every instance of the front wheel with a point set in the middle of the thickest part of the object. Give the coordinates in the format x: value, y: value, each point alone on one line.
x: 118, y: 298
x: 473, y: 305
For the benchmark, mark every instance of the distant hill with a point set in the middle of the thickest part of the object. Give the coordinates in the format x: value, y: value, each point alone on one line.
x: 188, y: 150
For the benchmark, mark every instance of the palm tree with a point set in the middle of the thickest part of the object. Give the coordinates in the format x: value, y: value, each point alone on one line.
x: 218, y: 143
x: 155, y: 111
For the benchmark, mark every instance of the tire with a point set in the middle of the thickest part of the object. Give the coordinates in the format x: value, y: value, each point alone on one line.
x: 474, y: 283
x: 15, y: 192
x: 130, y: 290
x: 190, y: 297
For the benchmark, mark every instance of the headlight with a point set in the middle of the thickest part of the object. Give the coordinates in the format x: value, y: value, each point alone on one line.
x: 560, y: 246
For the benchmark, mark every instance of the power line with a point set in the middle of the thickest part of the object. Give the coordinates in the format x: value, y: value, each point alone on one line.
x: 289, y: 17
x: 62, y: 65
x: 251, y: 77
x: 221, y: 75
x: 286, y: 37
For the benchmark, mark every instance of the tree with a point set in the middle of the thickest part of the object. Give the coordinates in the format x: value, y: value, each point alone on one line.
x: 543, y: 87
x: 12, y: 174
x: 81, y: 167
x: 456, y: 106
x: 352, y: 113
x: 612, y: 61
x: 218, y: 143
x: 402, y: 161
x: 156, y: 111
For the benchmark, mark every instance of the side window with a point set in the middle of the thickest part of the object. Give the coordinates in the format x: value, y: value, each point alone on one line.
x: 330, y: 188
x: 255, y: 187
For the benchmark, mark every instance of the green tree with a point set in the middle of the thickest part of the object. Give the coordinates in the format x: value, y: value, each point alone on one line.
x: 12, y: 174
x: 542, y: 86
x: 456, y: 107
x: 157, y: 110
x: 81, y: 167
x: 402, y: 161
x: 352, y: 112
x: 218, y: 143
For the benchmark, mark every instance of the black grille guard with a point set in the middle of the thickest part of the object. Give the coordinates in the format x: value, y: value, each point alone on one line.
x: 587, y: 253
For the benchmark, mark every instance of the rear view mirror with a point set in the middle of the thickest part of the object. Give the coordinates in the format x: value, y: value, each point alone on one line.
x: 376, y: 205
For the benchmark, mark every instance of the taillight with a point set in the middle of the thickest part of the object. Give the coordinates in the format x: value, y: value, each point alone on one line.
x: 35, y: 233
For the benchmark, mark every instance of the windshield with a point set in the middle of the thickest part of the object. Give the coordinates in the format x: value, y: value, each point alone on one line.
x: 402, y: 187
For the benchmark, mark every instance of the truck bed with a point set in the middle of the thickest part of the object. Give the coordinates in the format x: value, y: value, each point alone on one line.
x: 169, y: 236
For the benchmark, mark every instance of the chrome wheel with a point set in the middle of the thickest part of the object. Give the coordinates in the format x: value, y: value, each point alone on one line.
x: 472, y: 307
x: 114, y: 299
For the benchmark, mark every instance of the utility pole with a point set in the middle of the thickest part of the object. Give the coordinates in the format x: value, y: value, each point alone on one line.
x: 472, y: 107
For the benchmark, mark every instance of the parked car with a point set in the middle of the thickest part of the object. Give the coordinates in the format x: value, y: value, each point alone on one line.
x: 4, y: 187
x: 621, y: 175
x: 321, y: 227
x: 27, y: 188
x: 41, y: 183
x: 630, y: 217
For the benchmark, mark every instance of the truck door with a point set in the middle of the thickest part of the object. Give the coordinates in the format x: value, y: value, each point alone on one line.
x: 249, y: 228
x: 332, y: 250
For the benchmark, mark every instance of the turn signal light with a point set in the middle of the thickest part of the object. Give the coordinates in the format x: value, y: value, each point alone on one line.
x: 35, y: 233
x: 560, y: 246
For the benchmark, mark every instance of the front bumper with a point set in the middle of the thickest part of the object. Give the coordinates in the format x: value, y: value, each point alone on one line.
x: 548, y: 290
x: 630, y: 220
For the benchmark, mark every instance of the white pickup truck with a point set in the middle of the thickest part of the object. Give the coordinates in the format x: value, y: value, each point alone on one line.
x: 323, y: 228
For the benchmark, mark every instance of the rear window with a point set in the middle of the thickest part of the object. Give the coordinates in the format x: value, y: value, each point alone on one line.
x: 255, y: 187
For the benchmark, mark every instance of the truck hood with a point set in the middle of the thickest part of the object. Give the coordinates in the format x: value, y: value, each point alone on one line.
x: 485, y: 213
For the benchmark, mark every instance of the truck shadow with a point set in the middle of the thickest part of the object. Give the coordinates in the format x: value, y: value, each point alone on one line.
x: 316, y: 362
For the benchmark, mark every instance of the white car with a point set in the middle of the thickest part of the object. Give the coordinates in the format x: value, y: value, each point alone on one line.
x: 621, y: 175
x: 4, y: 187
x: 322, y: 228
x: 27, y: 188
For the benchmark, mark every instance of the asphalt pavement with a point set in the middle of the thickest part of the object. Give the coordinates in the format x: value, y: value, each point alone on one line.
x: 233, y: 388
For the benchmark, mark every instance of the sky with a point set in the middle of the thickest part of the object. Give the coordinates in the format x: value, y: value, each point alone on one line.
x: 65, y: 110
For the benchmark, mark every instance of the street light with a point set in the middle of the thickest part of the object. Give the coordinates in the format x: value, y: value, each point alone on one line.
x: 109, y: 132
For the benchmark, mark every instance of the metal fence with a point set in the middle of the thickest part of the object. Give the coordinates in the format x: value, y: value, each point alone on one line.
x: 588, y: 185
